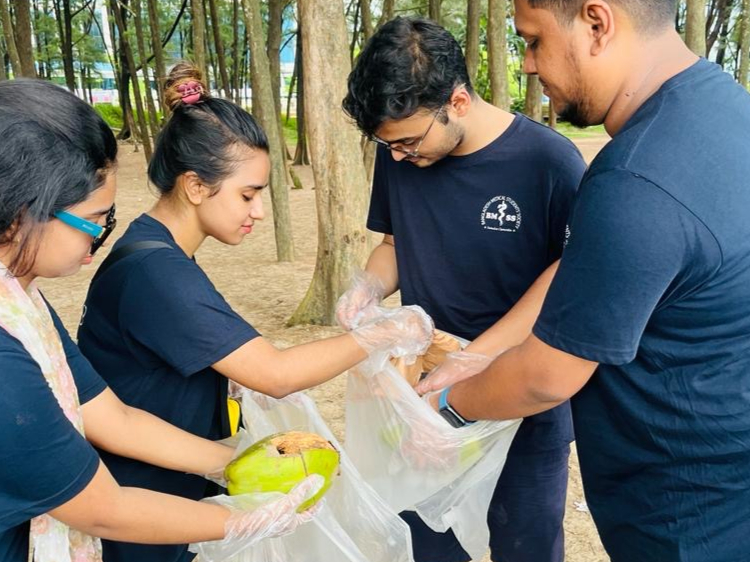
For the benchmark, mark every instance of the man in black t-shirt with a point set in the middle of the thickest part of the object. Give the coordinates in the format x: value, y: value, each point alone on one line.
x: 473, y: 203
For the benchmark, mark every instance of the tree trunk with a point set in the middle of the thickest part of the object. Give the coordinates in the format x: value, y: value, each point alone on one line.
x: 366, y: 14
x: 66, y: 45
x: 434, y: 12
x: 161, y: 67
x: 10, y: 40
x: 199, y: 32
x: 3, y: 74
x: 389, y: 10
x: 301, y: 156
x: 153, y: 119
x: 744, y: 66
x: 721, y: 51
x: 695, y: 27
x: 497, y: 10
x: 236, y: 55
x: 552, y: 117
x: 266, y: 112
x: 273, y: 49
x: 221, y: 57
x: 533, y: 105
x: 22, y: 12
x: 472, y: 38
x: 128, y: 52
x: 719, y: 16
x: 341, y: 186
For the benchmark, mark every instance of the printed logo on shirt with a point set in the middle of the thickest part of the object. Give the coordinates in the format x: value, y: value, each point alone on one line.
x: 567, y: 236
x: 501, y: 213
x: 83, y: 315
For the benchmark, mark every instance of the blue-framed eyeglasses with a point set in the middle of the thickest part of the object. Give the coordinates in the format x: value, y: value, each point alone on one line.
x: 98, y: 232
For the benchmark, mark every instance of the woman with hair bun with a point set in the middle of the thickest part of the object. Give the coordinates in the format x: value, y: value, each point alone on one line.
x: 158, y: 330
x: 57, y: 192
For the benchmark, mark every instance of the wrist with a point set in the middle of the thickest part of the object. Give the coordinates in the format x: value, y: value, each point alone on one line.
x: 449, y: 413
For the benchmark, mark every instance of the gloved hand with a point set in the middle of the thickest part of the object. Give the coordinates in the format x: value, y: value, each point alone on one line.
x: 458, y: 366
x: 404, y: 332
x: 366, y: 291
x: 251, y: 520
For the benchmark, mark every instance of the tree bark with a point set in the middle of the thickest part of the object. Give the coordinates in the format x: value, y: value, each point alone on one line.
x: 266, y: 112
x: 472, y: 38
x: 301, y: 155
x: 128, y: 52
x: 434, y: 10
x: 153, y: 119
x: 199, y: 33
x: 533, y: 105
x: 161, y: 67
x: 3, y: 74
x: 695, y: 27
x: 22, y: 12
x: 221, y: 58
x: 497, y: 11
x: 341, y: 190
x: 273, y: 49
x: 366, y: 15
x: 236, y: 55
x: 389, y: 11
x: 744, y: 66
x: 10, y: 40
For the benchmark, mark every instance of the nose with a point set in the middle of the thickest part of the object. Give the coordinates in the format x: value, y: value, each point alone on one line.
x: 398, y: 155
x: 529, y: 64
x: 256, y: 211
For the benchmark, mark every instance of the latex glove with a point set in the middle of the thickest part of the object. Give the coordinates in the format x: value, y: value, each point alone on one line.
x: 365, y: 292
x: 458, y: 366
x: 252, y: 521
x: 403, y: 332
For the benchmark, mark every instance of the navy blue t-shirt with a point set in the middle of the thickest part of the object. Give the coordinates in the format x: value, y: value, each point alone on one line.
x: 153, y: 326
x: 654, y: 284
x: 474, y: 232
x: 44, y: 461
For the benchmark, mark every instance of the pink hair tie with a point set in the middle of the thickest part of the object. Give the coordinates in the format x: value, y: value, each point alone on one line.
x: 190, y: 92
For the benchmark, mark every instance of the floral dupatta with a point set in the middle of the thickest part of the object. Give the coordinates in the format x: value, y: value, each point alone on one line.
x: 25, y: 316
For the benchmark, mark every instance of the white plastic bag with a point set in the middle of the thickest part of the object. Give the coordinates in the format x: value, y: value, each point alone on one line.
x: 352, y: 523
x: 416, y: 461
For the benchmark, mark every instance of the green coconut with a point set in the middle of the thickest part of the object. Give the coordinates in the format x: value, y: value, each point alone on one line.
x: 279, y: 462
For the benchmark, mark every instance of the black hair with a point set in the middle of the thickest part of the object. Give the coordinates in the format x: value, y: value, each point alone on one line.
x: 647, y: 15
x: 202, y: 135
x: 54, y: 151
x: 411, y: 63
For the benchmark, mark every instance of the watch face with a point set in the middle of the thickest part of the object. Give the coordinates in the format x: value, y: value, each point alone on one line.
x: 451, y: 418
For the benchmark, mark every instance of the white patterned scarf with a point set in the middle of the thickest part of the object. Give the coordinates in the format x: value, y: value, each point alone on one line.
x: 25, y: 316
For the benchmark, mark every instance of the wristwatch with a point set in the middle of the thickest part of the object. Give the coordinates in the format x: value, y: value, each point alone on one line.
x: 449, y: 414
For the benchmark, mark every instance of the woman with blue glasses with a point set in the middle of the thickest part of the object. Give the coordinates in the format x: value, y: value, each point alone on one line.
x: 57, y: 191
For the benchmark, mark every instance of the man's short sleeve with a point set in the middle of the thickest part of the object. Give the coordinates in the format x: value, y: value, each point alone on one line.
x: 379, y: 217
x: 170, y: 307
x: 44, y: 461
x: 568, y: 174
x: 631, y: 247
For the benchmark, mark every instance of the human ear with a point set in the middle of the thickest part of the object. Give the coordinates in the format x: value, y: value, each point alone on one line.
x: 599, y: 19
x: 461, y: 101
x: 193, y: 188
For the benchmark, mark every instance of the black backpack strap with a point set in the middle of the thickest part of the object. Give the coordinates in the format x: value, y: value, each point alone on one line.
x: 126, y: 250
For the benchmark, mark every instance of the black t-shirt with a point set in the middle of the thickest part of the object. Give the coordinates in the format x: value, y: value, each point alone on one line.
x: 474, y: 232
x: 153, y: 326
x: 44, y: 460
x: 655, y: 285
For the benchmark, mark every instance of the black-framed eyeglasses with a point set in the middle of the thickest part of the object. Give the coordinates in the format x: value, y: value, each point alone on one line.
x: 414, y: 153
x: 409, y: 153
x: 98, y: 232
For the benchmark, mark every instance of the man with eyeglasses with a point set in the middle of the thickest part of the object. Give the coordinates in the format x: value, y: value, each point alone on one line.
x: 473, y: 203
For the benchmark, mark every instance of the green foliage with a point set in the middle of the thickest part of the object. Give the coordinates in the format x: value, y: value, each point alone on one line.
x: 112, y: 114
x: 289, y: 128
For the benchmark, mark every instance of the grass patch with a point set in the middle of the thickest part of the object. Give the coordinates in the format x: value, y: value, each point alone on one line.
x: 575, y: 133
x: 289, y: 128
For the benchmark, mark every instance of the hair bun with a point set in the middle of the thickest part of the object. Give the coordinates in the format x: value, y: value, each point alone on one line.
x: 184, y: 85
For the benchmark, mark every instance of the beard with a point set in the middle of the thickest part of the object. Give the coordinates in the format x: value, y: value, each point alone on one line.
x: 578, y: 111
x: 454, y: 136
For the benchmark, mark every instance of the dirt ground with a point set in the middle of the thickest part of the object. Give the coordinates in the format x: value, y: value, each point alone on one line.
x: 266, y: 293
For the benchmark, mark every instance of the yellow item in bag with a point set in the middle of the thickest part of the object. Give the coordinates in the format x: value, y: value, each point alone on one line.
x: 233, y: 407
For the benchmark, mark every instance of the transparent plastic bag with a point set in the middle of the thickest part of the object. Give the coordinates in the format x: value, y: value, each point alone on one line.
x: 416, y: 461
x: 352, y: 523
